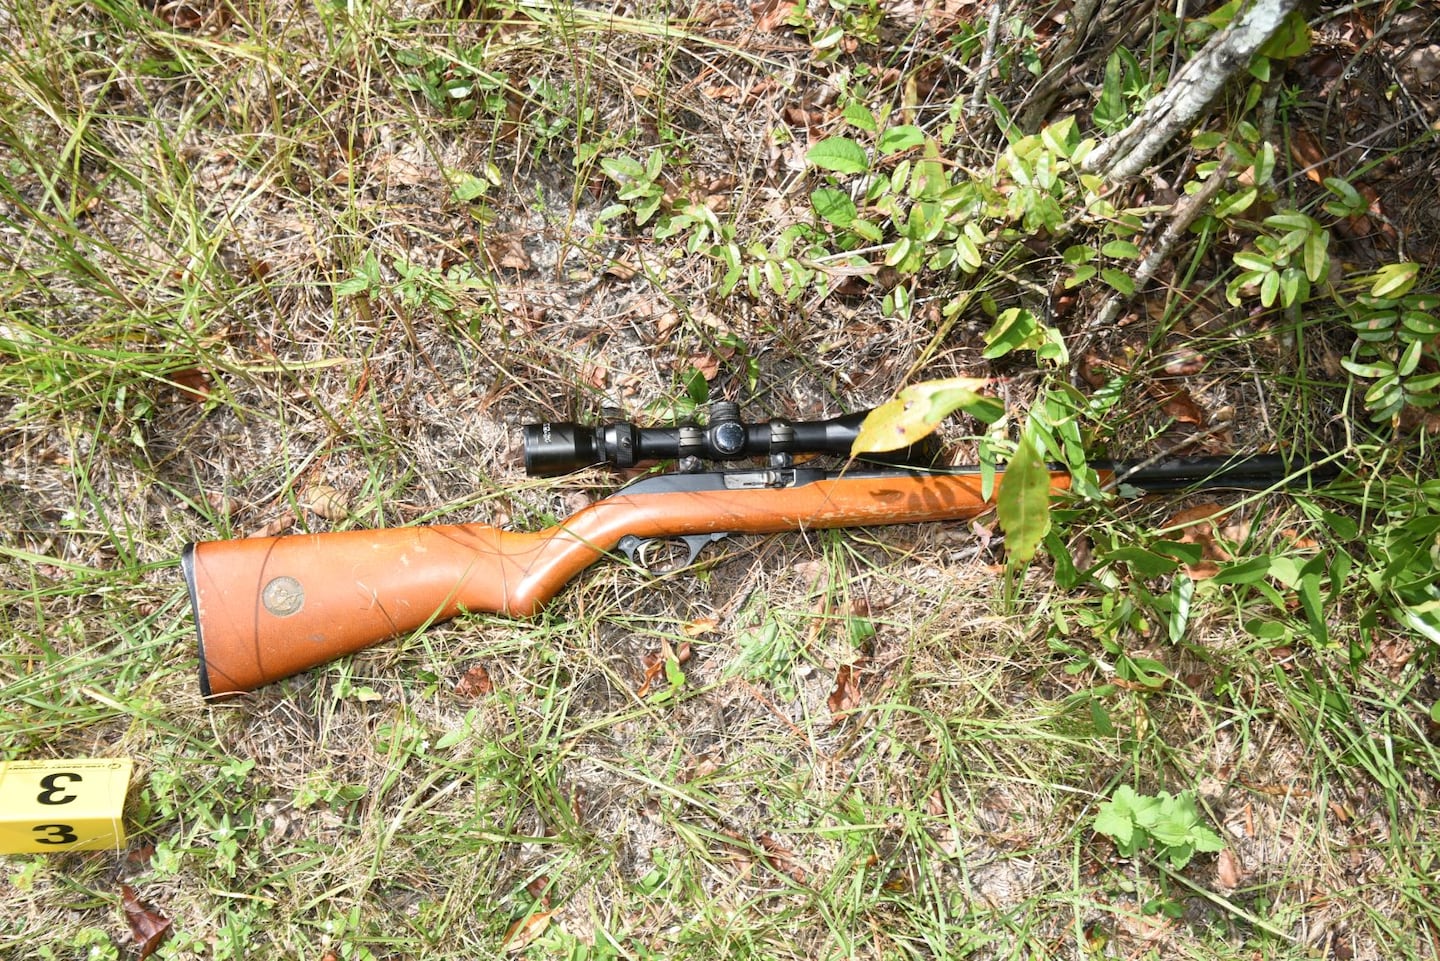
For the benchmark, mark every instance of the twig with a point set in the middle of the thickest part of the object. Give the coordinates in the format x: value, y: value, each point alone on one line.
x: 1182, y: 215
x: 987, y: 58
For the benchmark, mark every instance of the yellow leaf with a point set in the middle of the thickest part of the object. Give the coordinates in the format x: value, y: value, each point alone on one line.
x: 1394, y: 280
x: 917, y: 410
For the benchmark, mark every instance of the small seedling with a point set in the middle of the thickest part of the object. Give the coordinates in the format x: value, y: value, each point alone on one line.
x: 1166, y: 825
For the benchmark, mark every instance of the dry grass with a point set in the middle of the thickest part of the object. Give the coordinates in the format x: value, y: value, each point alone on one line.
x: 252, y: 281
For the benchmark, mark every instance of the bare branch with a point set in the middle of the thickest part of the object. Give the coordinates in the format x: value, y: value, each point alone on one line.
x: 1189, y: 92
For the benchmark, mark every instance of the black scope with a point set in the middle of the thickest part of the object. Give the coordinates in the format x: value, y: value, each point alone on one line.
x: 558, y: 448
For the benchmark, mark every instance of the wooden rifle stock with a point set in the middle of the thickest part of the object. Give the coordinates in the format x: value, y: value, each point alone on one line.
x: 266, y: 608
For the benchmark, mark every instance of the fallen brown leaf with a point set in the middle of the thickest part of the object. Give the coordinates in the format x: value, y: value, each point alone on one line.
x: 1299, y: 541
x: 699, y: 626
x: 325, y: 501
x: 781, y: 858
x: 846, y: 695
x: 1202, y: 571
x: 1227, y: 869
x: 1184, y: 361
x: 276, y: 527
x: 222, y: 506
x: 508, y: 251
x: 1095, y: 371
x: 194, y: 384
x: 595, y: 373
x: 654, y: 663
x: 539, y: 889
x: 707, y: 364
x: 1199, y: 523
x: 896, y: 882
x: 721, y: 91
x: 192, y: 17
x: 475, y: 683
x: 1181, y: 406
x: 770, y: 15
x: 146, y: 927
x: 525, y: 930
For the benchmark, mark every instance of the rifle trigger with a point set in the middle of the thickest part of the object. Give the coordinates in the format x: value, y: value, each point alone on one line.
x: 695, y: 543
x: 632, y: 547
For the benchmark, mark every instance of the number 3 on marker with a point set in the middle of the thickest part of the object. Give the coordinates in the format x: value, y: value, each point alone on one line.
x: 56, y: 834
x: 55, y: 792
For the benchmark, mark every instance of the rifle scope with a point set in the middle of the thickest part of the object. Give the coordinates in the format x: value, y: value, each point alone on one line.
x: 558, y: 448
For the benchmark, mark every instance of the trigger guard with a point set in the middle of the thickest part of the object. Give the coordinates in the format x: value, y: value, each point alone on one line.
x: 636, y: 548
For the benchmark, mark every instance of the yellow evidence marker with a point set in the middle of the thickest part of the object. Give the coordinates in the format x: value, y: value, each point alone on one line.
x: 61, y: 805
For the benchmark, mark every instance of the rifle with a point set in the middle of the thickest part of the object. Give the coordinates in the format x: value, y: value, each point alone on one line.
x: 267, y: 608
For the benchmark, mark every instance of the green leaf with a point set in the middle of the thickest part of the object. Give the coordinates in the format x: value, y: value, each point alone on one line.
x: 1349, y: 201
x: 1269, y: 288
x: 1317, y: 261
x: 1237, y: 202
x: 1115, y: 823
x: 1246, y: 572
x: 834, y: 206
x: 1248, y: 260
x: 969, y: 253
x: 352, y: 286
x: 1290, y: 39
x: 1394, y: 280
x: 622, y: 168
x: 1118, y: 279
x: 1123, y: 817
x: 1015, y: 329
x: 1142, y: 562
x: 470, y: 188
x: 697, y: 388
x: 1420, y: 322
x: 867, y: 230
x: 918, y: 409
x: 896, y: 139
x: 859, y: 115
x: 1294, y: 287
x: 925, y: 221
x: 1289, y: 220
x: 840, y: 154
x: 1109, y: 113
x: 1061, y: 137
x: 1368, y: 371
x: 1120, y: 249
x: 1264, y: 167
x: 1023, y: 504
x: 900, y: 251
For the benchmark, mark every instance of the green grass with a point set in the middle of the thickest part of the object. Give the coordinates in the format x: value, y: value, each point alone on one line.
x: 353, y: 247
